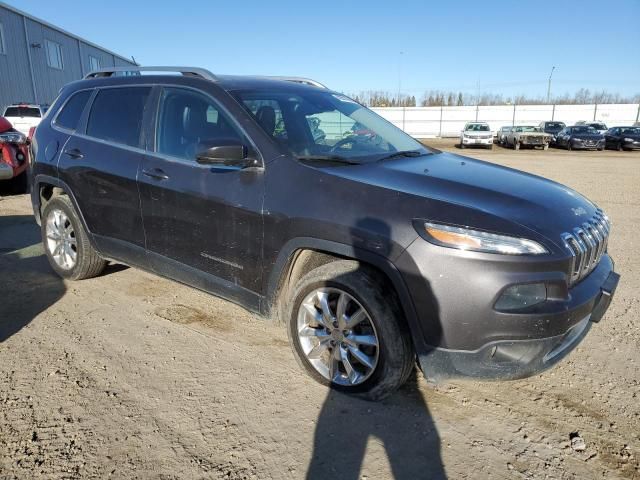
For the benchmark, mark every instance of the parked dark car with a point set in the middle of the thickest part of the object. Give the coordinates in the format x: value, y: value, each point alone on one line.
x: 374, y: 250
x: 552, y: 128
x: 580, y: 137
x: 623, y: 138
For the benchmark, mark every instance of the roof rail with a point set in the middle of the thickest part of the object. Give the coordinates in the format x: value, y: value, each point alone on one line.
x: 186, y: 71
x: 306, y: 81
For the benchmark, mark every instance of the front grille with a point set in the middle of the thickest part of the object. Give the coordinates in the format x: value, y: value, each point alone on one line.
x: 587, y: 244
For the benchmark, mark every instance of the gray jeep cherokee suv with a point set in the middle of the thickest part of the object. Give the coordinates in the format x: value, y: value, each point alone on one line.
x: 298, y: 203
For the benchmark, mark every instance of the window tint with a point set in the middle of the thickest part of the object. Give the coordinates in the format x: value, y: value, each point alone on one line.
x: 189, y: 123
x: 54, y: 54
x: 116, y: 115
x: 70, y: 113
x: 22, y: 112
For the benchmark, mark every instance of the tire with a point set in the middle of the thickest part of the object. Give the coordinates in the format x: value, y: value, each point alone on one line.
x: 382, y: 320
x: 59, y: 218
x: 490, y: 147
x: 462, y: 145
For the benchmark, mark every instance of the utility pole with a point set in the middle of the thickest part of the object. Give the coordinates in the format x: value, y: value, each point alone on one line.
x: 549, y: 86
x: 399, y: 76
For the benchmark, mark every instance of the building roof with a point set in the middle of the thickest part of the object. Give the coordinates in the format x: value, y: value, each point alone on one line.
x: 61, y: 30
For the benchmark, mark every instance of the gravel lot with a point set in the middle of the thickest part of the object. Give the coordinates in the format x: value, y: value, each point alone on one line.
x: 135, y: 376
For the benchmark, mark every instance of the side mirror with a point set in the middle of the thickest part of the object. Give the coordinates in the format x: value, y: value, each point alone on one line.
x: 226, y: 155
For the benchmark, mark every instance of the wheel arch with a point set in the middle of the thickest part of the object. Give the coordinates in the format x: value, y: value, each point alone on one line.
x: 301, y: 255
x: 45, y: 188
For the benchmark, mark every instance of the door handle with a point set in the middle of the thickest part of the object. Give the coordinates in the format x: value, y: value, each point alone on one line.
x: 156, y: 173
x: 73, y: 153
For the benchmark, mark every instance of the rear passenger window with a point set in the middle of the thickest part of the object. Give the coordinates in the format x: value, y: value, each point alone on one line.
x: 70, y: 114
x: 116, y: 115
x: 189, y: 123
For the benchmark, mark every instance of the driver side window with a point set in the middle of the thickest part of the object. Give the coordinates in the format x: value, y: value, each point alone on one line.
x: 190, y: 122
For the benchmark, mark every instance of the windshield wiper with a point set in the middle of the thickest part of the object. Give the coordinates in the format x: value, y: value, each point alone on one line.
x: 404, y: 153
x: 327, y: 158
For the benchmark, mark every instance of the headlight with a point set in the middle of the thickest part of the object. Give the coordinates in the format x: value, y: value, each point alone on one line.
x: 12, y: 137
x: 479, y: 241
x: 628, y: 139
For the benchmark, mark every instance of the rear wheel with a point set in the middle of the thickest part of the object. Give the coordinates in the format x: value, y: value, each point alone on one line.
x: 348, y: 333
x: 66, y: 243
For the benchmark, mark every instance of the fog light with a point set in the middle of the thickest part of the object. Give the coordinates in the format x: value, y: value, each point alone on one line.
x: 518, y: 297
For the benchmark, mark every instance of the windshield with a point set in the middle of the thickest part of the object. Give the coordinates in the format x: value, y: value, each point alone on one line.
x: 630, y: 131
x: 319, y: 123
x: 583, y: 129
x: 477, y: 127
x: 22, y: 112
x: 555, y: 125
x: 527, y: 128
x: 598, y: 126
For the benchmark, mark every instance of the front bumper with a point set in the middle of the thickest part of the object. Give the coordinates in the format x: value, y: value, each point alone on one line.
x: 454, y: 293
x: 477, y: 141
x: 578, y: 145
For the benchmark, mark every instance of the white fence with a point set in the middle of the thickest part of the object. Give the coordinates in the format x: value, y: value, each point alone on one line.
x: 425, y: 122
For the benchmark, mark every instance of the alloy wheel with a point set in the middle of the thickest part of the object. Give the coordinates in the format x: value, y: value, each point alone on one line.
x: 337, y: 336
x: 61, y: 239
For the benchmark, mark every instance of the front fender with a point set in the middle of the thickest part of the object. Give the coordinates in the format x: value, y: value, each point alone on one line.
x: 383, y: 264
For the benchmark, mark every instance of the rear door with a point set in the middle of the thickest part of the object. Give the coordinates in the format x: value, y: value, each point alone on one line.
x: 204, y: 217
x: 100, y: 163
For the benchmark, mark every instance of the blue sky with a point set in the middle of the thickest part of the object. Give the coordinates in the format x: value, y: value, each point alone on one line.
x: 496, y: 46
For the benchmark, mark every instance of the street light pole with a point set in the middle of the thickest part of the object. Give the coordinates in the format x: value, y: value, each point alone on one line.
x: 399, y: 76
x: 549, y: 86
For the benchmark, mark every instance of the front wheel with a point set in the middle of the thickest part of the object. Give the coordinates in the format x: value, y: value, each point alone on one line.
x: 348, y: 333
x: 66, y: 242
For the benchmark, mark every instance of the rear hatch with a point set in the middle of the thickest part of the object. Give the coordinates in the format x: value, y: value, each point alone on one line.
x: 23, y: 117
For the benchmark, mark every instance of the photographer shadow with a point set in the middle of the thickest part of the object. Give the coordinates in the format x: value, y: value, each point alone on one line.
x: 348, y: 428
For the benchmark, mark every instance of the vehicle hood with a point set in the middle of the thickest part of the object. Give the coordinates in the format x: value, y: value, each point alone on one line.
x: 533, y: 134
x: 464, y: 191
x: 587, y: 136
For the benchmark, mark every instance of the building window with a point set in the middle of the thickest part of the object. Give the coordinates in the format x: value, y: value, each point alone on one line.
x: 54, y: 54
x: 2, y: 46
x: 94, y: 63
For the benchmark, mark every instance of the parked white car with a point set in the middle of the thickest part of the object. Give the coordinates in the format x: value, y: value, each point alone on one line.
x: 477, y: 134
x: 23, y: 116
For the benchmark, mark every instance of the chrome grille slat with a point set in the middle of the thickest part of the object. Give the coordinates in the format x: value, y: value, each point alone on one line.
x: 587, y: 244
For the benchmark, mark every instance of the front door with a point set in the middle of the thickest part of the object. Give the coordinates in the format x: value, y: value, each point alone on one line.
x: 204, y: 218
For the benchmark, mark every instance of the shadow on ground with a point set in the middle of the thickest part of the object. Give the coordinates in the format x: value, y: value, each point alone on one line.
x: 28, y: 286
x: 402, y: 424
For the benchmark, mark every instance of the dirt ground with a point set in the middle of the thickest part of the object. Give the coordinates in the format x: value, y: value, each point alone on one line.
x: 133, y: 376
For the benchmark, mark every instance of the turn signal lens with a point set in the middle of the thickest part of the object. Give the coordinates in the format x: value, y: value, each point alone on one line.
x: 469, y: 239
